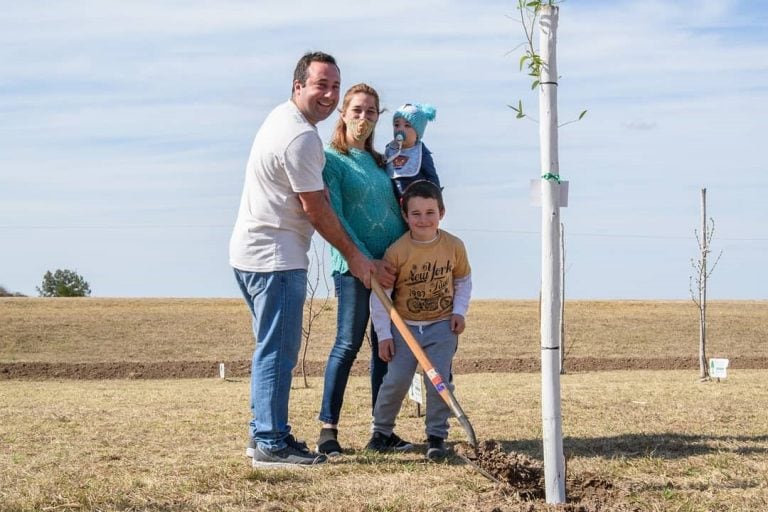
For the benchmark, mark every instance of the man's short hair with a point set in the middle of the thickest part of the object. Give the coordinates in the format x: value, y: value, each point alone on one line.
x: 300, y: 72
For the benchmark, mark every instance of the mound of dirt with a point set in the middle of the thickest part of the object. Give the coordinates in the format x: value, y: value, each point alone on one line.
x: 523, y: 476
x: 589, y: 492
x: 516, y: 471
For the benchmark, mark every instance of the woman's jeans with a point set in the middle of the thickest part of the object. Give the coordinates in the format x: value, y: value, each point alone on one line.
x: 276, y: 301
x: 351, y: 323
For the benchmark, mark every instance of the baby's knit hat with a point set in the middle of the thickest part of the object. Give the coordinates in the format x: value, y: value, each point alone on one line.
x: 417, y: 114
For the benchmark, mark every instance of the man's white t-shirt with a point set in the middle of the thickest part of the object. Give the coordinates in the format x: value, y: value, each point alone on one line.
x: 272, y: 232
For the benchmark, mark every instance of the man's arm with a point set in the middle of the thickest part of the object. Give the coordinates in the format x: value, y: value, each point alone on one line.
x: 325, y: 221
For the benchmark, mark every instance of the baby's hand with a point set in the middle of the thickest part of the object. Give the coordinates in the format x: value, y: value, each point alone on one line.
x: 386, y: 349
x: 457, y: 324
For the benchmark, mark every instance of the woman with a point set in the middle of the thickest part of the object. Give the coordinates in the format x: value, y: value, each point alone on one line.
x: 363, y: 198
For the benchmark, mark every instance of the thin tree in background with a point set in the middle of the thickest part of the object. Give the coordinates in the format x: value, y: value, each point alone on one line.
x: 313, y: 308
x: 562, y: 301
x: 698, y: 281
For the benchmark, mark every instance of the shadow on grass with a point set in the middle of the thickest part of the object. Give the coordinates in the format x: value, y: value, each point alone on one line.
x: 665, y: 446
x: 668, y: 445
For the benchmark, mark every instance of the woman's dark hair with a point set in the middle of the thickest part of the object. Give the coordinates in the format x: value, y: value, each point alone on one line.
x: 425, y: 189
x: 339, y: 137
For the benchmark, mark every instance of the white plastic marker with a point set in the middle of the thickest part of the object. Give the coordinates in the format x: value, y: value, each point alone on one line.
x: 717, y: 368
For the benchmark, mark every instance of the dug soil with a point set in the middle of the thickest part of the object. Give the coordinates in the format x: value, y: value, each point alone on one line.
x: 239, y: 369
x: 518, y: 474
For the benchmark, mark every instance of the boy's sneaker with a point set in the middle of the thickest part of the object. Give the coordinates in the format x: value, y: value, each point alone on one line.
x: 327, y: 443
x: 436, y: 449
x: 399, y: 445
x: 295, y: 453
x: 378, y: 443
x: 382, y: 443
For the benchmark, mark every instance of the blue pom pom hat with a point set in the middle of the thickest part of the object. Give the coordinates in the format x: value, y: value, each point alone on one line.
x: 417, y: 114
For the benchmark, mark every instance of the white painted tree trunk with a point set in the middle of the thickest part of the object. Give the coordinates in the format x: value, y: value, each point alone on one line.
x: 554, y: 464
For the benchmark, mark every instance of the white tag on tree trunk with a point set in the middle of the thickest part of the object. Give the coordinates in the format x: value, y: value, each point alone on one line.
x: 535, y: 193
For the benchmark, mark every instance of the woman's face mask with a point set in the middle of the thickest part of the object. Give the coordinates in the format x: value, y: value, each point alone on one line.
x: 360, y: 129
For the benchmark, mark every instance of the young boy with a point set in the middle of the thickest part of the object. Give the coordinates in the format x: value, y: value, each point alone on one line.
x: 408, y: 159
x: 432, y: 294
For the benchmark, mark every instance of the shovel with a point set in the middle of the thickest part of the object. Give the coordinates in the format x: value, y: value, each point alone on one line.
x: 426, y: 364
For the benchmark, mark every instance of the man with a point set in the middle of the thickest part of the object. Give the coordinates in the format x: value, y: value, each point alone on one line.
x: 283, y: 202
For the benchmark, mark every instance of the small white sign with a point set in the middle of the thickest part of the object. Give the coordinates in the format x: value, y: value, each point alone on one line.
x: 414, y: 392
x: 535, y: 193
x: 717, y: 368
x: 221, y: 371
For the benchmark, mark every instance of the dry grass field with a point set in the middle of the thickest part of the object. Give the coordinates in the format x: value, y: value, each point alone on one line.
x: 500, y: 335
x: 638, y: 440
x: 635, y: 439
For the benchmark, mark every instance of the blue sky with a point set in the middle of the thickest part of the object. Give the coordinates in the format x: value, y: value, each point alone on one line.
x: 125, y: 128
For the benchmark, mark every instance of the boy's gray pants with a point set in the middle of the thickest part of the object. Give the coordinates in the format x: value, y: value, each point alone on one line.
x: 439, y: 343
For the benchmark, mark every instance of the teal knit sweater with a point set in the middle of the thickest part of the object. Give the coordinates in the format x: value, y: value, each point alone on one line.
x: 363, y: 198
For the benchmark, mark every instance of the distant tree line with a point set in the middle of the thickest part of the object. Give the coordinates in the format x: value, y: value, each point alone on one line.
x: 5, y: 293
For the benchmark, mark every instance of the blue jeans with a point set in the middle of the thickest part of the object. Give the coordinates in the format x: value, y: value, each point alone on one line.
x: 276, y: 301
x: 351, y: 323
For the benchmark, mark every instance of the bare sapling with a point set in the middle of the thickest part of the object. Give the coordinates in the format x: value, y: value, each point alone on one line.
x: 698, y: 281
x: 562, y: 301
x: 314, y: 306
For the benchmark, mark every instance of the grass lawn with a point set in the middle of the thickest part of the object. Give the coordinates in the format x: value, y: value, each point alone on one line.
x: 652, y: 441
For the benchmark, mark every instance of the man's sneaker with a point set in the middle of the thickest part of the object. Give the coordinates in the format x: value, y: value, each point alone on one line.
x: 382, y: 443
x: 295, y: 453
x: 251, y: 449
x: 436, y: 449
x: 327, y: 443
x: 299, y: 445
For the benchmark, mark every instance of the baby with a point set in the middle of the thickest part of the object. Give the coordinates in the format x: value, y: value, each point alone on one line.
x: 408, y: 159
